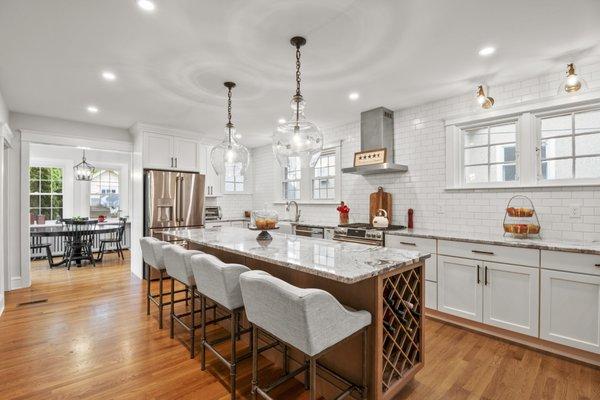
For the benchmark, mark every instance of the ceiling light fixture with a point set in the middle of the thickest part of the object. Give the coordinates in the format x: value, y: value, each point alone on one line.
x: 146, y: 5
x: 573, y: 82
x: 353, y: 96
x: 487, y: 51
x: 230, y: 154
x: 483, y: 100
x: 109, y: 76
x: 92, y: 109
x: 281, y: 121
x: 83, y: 171
x: 297, y: 137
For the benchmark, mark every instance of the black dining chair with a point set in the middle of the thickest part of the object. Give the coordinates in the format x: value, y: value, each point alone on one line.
x: 38, y: 244
x: 80, y: 240
x: 114, y: 238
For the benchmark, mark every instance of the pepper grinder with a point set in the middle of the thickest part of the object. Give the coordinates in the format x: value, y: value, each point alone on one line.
x: 410, y: 218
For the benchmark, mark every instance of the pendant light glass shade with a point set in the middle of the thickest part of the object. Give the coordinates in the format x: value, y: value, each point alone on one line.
x: 297, y: 137
x: 572, y: 83
x: 83, y: 171
x: 230, y: 156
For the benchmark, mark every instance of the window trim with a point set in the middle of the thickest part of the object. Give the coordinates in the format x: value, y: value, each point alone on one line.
x: 528, y: 115
x: 313, y: 178
x: 90, y: 194
x: 51, y: 193
x: 306, y: 180
x: 244, y: 183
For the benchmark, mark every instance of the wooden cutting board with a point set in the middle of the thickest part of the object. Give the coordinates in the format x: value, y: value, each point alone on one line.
x: 380, y: 199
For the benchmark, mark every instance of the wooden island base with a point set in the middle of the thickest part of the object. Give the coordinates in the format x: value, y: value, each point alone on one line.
x: 395, y: 346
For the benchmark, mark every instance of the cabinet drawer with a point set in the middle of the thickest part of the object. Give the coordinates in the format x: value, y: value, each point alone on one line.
x: 571, y: 262
x: 485, y: 252
x: 422, y: 245
x: 431, y: 295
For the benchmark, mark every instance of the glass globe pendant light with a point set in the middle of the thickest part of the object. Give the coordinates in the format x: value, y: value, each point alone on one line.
x: 230, y: 155
x: 83, y: 171
x: 297, y: 137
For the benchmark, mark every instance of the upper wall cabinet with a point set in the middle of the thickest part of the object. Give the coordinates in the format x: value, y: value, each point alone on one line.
x: 163, y: 151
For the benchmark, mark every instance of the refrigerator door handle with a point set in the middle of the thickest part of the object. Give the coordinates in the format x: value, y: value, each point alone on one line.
x: 181, y: 199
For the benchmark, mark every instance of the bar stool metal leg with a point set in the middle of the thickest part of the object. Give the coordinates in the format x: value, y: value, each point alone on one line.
x: 193, y: 324
x: 365, y: 343
x: 254, y: 360
x: 203, y: 331
x: 172, y: 313
x: 313, y: 378
x: 148, y: 282
x: 160, y: 301
x: 233, y: 366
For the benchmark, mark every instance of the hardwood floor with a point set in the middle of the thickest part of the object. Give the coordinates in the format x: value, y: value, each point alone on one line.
x: 90, y: 338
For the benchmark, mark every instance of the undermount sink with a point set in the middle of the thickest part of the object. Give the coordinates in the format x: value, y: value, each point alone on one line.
x: 285, y: 226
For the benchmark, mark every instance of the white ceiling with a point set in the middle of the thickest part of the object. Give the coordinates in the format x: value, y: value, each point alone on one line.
x: 171, y: 63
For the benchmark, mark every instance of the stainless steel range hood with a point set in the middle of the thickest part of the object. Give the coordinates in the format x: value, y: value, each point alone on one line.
x: 377, y: 132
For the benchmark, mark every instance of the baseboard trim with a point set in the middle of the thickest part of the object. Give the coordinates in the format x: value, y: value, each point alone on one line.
x: 534, y: 343
x: 16, y: 283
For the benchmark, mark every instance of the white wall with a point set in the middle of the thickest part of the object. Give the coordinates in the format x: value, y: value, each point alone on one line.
x: 46, y: 130
x: 420, y: 144
x: 3, y: 236
x: 76, y: 199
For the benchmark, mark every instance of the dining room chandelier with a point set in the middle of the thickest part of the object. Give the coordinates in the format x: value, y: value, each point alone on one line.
x: 230, y: 156
x: 297, y: 137
x: 83, y: 171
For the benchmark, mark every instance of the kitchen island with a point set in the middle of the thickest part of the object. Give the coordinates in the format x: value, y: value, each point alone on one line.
x: 389, y: 283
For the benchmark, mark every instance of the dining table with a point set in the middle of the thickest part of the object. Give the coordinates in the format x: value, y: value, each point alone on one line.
x: 73, y: 236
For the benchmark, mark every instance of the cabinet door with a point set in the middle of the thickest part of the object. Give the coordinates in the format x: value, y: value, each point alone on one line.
x: 213, y: 181
x: 158, y: 151
x: 187, y: 154
x: 570, y: 309
x: 460, y: 288
x: 510, y: 297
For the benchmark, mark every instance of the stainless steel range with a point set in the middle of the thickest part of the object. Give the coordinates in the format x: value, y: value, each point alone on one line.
x: 363, y: 233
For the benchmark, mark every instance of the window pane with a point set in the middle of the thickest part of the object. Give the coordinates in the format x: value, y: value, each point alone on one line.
x: 57, y: 213
x: 503, y: 153
x: 561, y: 147
x: 34, y: 201
x: 476, y: 174
x: 503, y: 133
x: 476, y: 138
x: 56, y: 186
x: 47, y: 212
x: 45, y: 173
x: 56, y: 201
x: 477, y: 155
x: 34, y: 186
x: 229, y: 186
x: 94, y: 200
x: 556, y: 126
x: 587, y: 144
x: 45, y: 200
x: 34, y: 173
x: 46, y: 187
x: 557, y: 169
x: 239, y: 187
x: 587, y: 167
x: 56, y: 174
x: 587, y: 122
x: 503, y: 172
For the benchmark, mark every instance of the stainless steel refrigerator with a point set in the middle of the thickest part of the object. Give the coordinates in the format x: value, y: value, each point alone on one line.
x: 172, y: 200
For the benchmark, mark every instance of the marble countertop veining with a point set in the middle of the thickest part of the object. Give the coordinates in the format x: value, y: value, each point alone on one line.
x: 340, y: 261
x: 532, y: 243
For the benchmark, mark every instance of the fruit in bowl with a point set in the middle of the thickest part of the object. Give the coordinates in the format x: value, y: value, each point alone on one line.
x: 265, y: 219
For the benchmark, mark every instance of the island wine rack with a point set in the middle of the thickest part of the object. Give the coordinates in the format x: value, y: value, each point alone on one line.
x: 402, y: 342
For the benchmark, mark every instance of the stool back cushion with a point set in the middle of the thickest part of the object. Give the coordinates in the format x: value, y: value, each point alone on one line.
x: 218, y: 281
x: 152, y: 251
x: 311, y: 320
x: 178, y: 263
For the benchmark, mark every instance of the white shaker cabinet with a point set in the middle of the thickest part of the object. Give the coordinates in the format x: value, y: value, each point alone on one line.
x: 510, y: 297
x: 163, y: 151
x: 460, y: 291
x: 213, y: 181
x: 570, y: 309
x: 187, y: 154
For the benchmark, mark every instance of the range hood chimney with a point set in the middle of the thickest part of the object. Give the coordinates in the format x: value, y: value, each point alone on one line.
x: 377, y: 132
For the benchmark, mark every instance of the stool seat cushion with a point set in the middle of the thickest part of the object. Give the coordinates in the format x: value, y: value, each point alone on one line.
x: 219, y: 281
x: 310, y: 320
x: 152, y: 252
x: 178, y: 263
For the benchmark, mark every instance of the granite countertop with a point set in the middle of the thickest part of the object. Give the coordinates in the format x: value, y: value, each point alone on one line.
x: 532, y: 243
x: 339, y: 261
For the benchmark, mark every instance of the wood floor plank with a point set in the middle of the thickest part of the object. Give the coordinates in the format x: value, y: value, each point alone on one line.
x: 92, y: 339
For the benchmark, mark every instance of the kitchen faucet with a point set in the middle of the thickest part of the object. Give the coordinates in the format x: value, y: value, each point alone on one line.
x: 287, y: 208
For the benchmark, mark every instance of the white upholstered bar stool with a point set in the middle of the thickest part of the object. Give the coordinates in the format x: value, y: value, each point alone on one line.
x: 178, y: 266
x: 152, y: 253
x: 220, y: 282
x: 310, y: 320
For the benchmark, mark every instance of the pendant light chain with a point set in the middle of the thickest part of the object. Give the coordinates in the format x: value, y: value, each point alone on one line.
x: 298, y: 70
x: 229, y: 124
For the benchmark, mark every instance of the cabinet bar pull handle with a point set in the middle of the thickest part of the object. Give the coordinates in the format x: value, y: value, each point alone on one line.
x: 478, y: 280
x: 597, y: 265
x: 485, y: 276
x: 408, y: 243
x: 491, y: 253
x: 175, y: 162
x: 171, y: 162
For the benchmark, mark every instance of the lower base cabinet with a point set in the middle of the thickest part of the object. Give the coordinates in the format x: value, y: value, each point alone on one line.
x: 431, y: 295
x: 570, y: 309
x: 497, y: 294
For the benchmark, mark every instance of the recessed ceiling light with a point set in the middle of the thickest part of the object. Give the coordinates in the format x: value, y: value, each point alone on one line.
x: 108, y: 76
x: 353, y: 96
x: 487, y: 51
x: 92, y: 109
x: 146, y: 5
x: 281, y: 120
